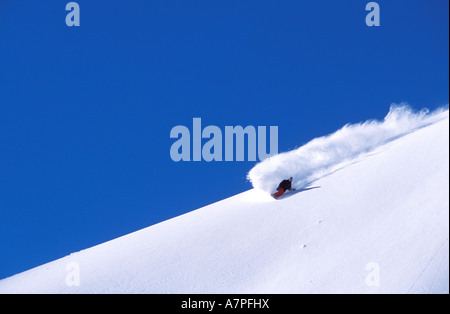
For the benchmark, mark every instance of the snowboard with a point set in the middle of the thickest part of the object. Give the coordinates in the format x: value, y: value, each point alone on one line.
x: 282, y: 196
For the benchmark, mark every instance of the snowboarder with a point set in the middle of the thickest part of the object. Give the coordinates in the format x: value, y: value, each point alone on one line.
x: 285, y: 185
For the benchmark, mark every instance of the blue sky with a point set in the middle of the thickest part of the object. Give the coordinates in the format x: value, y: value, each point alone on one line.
x: 86, y: 112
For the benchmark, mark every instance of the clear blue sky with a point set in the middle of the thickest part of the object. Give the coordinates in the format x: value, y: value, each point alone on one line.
x: 86, y: 112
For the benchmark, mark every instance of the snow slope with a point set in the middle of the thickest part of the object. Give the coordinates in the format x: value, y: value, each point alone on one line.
x: 376, y: 223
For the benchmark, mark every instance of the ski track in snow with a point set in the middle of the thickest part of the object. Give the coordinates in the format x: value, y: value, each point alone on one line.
x: 428, y: 265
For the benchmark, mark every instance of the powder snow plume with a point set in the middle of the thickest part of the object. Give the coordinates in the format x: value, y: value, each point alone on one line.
x: 323, y: 155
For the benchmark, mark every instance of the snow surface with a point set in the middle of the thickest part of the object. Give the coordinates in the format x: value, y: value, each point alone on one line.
x: 375, y: 220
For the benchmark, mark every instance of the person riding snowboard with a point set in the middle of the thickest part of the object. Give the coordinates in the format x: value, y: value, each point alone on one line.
x: 285, y: 185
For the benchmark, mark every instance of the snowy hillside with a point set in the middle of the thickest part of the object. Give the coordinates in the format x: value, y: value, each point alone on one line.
x: 372, y: 217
